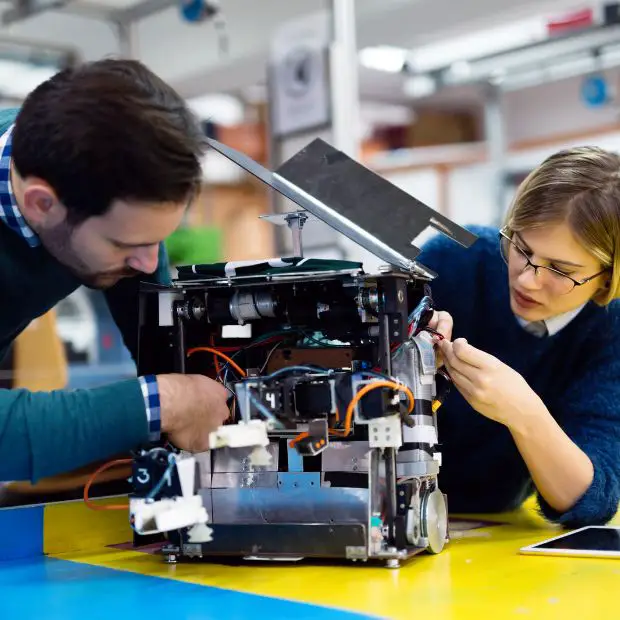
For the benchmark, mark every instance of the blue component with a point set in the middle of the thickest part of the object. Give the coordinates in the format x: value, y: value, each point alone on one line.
x: 62, y: 590
x: 21, y: 533
x: 296, y: 480
x: 594, y: 91
x: 194, y: 10
x: 295, y: 460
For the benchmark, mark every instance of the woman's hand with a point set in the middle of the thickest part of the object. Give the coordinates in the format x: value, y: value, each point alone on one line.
x: 491, y: 387
x: 442, y: 323
x: 560, y: 469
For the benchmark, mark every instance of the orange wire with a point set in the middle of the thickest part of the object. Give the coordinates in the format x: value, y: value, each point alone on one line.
x: 298, y: 439
x: 89, y: 502
x: 222, y: 355
x: 216, y: 362
x: 373, y: 386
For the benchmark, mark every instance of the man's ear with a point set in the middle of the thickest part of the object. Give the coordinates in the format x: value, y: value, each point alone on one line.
x: 40, y: 205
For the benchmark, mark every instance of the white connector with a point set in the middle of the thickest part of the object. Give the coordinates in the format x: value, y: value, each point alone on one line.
x: 165, y: 515
x: 385, y: 432
x: 241, y: 435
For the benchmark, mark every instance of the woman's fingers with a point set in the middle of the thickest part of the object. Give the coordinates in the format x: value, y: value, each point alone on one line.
x: 442, y: 323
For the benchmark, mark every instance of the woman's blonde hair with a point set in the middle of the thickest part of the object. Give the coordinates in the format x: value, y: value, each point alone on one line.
x: 580, y: 186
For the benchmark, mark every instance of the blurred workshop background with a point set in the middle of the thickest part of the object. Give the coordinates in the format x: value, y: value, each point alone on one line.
x: 453, y: 101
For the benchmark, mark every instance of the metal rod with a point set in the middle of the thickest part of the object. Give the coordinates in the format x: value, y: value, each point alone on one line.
x: 179, y: 336
x: 494, y: 130
x: 296, y: 222
x: 390, y: 492
x: 126, y: 35
x: 344, y: 78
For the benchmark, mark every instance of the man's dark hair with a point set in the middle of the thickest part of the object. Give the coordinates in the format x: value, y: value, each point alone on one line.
x: 105, y: 131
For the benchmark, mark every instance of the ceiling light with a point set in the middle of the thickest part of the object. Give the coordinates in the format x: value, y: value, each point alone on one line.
x: 221, y: 109
x: 419, y: 86
x: 451, y: 50
x: 383, y: 58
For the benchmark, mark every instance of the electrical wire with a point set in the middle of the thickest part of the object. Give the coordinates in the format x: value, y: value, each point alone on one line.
x: 305, y: 368
x: 89, y: 502
x: 157, y: 488
x: 220, y: 354
x: 216, y: 362
x: 434, y: 332
x: 263, y: 409
x: 298, y: 438
x: 269, y: 355
x: 261, y: 340
x: 368, y: 388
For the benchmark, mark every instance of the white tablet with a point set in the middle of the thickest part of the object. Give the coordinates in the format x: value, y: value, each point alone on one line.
x: 595, y: 541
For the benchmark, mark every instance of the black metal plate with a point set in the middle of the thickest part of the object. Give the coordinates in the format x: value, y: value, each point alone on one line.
x: 353, y: 200
x: 365, y: 199
x: 285, y: 540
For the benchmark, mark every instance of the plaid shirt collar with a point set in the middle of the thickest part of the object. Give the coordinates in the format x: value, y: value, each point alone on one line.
x: 9, y: 210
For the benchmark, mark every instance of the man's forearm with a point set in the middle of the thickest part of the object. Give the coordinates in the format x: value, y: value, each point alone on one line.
x: 44, y: 434
x: 561, y: 471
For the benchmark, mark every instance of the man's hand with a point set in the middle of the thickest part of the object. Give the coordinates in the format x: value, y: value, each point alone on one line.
x: 442, y: 323
x: 192, y: 406
x: 491, y: 387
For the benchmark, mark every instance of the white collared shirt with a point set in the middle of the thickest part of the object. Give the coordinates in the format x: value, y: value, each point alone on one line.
x: 555, y: 323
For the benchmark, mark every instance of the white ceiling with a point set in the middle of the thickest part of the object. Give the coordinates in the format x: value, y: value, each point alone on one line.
x: 188, y: 56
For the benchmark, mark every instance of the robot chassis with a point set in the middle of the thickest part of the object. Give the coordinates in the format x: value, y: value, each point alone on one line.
x: 332, y: 449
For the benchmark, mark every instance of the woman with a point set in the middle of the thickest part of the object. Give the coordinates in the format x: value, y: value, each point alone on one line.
x: 535, y: 348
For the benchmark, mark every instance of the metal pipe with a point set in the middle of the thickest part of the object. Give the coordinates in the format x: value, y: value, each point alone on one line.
x: 494, y: 134
x: 126, y: 35
x: 344, y: 78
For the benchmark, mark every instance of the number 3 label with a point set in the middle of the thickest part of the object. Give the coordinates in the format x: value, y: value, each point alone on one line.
x: 143, y: 475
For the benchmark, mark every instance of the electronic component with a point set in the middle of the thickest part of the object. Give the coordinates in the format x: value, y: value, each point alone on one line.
x: 332, y: 448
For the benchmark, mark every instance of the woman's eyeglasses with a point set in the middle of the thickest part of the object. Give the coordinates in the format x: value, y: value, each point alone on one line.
x: 515, y: 256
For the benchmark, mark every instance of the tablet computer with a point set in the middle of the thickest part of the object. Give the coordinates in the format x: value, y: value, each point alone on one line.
x: 595, y: 541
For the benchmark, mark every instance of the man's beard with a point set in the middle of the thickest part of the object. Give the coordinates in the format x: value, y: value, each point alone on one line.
x: 58, y: 243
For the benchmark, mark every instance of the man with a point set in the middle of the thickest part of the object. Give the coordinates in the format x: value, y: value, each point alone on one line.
x: 97, y: 168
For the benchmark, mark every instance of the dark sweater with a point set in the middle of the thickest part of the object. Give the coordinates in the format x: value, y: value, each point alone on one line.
x: 576, y: 372
x: 42, y: 434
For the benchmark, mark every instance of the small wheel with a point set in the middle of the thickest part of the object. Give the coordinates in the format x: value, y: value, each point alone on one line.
x: 171, y: 559
x: 435, y: 521
x: 392, y: 563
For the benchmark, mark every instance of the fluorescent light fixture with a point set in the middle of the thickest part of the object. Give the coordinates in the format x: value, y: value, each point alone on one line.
x: 475, y: 45
x: 383, y: 58
x: 219, y: 108
x: 418, y: 86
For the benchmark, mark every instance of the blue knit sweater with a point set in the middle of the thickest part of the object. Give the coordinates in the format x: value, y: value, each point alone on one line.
x: 576, y: 372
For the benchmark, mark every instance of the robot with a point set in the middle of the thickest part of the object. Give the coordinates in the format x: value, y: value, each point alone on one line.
x: 332, y: 448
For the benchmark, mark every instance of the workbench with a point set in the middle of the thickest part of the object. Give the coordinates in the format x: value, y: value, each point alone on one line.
x: 64, y: 561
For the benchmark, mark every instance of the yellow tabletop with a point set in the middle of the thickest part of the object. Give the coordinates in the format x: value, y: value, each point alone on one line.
x: 479, y: 575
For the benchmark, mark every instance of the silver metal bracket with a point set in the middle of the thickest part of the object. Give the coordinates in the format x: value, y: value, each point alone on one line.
x: 295, y: 220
